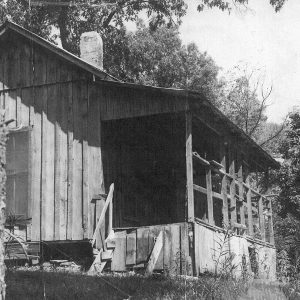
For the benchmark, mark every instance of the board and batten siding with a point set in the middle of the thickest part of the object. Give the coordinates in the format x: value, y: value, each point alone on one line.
x: 64, y: 105
x: 54, y: 98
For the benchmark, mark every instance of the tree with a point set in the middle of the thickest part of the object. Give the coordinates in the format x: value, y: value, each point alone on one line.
x: 287, y: 205
x: 241, y: 101
x: 73, y: 20
x: 158, y: 58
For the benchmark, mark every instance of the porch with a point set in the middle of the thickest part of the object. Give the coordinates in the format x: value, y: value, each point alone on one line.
x: 200, y: 181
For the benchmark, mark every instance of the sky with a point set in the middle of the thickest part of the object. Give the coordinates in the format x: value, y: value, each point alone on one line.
x: 258, y: 38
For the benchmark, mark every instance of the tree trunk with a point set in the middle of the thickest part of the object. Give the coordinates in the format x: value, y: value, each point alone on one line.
x: 65, y: 35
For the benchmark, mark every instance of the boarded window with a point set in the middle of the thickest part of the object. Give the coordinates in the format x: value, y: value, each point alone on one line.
x: 17, y: 171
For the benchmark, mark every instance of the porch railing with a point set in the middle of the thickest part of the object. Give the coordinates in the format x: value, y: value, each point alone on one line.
x: 257, y: 205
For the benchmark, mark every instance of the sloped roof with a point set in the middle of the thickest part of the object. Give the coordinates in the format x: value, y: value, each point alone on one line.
x: 105, y: 77
x: 8, y: 25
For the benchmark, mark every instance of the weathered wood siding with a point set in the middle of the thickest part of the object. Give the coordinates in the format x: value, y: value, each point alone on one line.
x: 134, y: 247
x: 64, y: 105
x: 52, y: 97
x: 217, y: 251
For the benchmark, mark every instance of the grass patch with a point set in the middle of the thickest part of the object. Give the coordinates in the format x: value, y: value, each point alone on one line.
x: 55, y: 285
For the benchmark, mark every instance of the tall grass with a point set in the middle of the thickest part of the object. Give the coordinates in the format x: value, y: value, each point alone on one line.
x: 55, y: 285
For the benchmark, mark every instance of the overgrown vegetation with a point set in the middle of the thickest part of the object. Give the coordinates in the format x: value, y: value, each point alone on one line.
x: 54, y: 285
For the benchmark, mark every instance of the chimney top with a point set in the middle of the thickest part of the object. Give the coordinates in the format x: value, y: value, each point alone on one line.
x: 91, y: 48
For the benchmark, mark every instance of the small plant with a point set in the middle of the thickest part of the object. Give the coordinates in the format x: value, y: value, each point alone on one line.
x: 223, y: 257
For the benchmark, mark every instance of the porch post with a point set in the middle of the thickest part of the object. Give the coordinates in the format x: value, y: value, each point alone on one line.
x: 249, y: 205
x: 241, y: 188
x: 189, y: 166
x: 232, y: 186
x: 261, y: 218
x: 224, y: 185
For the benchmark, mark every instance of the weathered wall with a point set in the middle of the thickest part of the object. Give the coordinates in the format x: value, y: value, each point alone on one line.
x: 134, y: 246
x: 212, y: 248
x: 40, y: 91
x: 64, y: 106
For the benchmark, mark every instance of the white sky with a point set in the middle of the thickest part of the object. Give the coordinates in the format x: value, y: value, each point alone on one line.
x: 260, y: 38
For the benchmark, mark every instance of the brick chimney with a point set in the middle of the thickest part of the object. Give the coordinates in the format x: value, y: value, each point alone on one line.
x: 91, y: 48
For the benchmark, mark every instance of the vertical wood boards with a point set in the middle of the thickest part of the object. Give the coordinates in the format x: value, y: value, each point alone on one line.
x: 224, y: 185
x: 261, y: 218
x: 241, y: 188
x: 10, y: 99
x: 249, y: 210
x: 70, y: 159
x: 157, y: 249
x: 142, y: 236
x: 249, y: 206
x: 204, y: 249
x: 197, y: 246
x: 48, y: 146
x: 61, y: 164
x: 189, y: 168
x: 119, y: 256
x: 96, y: 181
x: 131, y: 248
x: 26, y: 67
x: 36, y: 121
x: 210, y: 206
x: 86, y: 197
x: 172, y: 255
x: 271, y: 229
x: 186, y: 267
x: 232, y: 187
x: 153, y: 234
x: 77, y: 230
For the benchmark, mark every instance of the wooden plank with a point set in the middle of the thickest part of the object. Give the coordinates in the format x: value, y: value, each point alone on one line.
x: 60, y: 167
x: 24, y: 102
x: 261, y: 218
x: 96, y: 180
x: 119, y: 257
x: 26, y: 61
x: 39, y: 66
x: 153, y: 234
x: 70, y: 161
x: 224, y: 185
x: 11, y: 107
x: 2, y: 54
x: 155, y: 254
x: 48, y: 144
x: 77, y: 230
x: 131, y: 248
x: 167, y: 249
x: 232, y: 188
x: 271, y: 229
x: 103, y: 212
x: 175, y: 254
x: 142, y: 242
x: 210, y: 205
x: 189, y: 167
x: 249, y: 206
x: 186, y: 266
x: 36, y: 121
x: 197, y: 246
x: 85, y: 160
x: 5, y: 67
x: 241, y: 188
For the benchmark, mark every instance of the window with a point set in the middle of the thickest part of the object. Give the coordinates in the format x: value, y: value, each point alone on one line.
x: 17, y: 172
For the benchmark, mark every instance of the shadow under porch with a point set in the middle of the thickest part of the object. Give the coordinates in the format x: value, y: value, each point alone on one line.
x: 145, y: 158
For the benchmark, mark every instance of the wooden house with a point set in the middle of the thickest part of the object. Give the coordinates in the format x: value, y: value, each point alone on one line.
x: 154, y: 177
